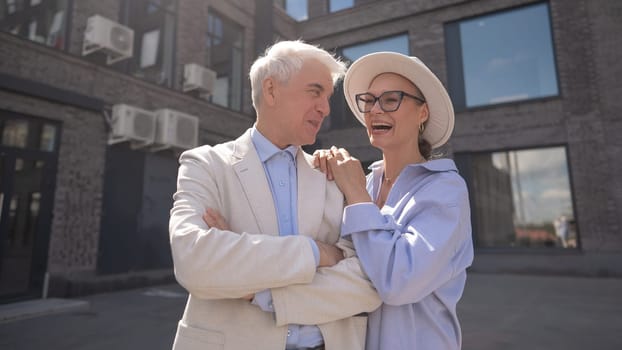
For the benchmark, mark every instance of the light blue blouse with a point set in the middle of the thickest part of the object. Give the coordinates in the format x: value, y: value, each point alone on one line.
x: 415, y: 251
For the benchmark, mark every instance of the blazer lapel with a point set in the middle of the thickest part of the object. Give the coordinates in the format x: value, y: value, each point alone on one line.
x: 252, y: 177
x: 311, y: 196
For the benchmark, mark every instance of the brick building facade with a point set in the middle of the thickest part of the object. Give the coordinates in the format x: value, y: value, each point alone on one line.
x: 107, y: 205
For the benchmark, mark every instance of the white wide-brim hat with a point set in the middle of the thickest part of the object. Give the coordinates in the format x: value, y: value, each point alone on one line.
x: 359, y: 76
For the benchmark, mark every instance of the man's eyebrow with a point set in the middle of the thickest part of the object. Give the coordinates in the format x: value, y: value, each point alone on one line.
x: 317, y: 86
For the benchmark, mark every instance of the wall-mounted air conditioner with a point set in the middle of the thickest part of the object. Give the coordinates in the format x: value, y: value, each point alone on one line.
x: 110, y: 37
x: 129, y: 123
x: 175, y: 130
x: 199, y: 78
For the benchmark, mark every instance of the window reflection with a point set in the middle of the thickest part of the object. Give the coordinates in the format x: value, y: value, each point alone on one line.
x: 153, y: 23
x: 15, y: 133
x: 19, y: 165
x: 297, y: 9
x: 520, y: 198
x: 394, y: 44
x: 11, y: 6
x: 337, y: 5
x: 27, y: 133
x: 506, y: 57
x: 14, y: 206
x: 34, y: 202
x: 40, y: 21
x: 225, y: 47
x: 48, y: 138
x: 149, y: 52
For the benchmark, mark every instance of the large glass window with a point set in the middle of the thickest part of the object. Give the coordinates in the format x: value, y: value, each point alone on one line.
x: 43, y: 21
x: 153, y: 23
x: 520, y: 198
x: 340, y: 115
x: 225, y: 48
x: 501, y: 57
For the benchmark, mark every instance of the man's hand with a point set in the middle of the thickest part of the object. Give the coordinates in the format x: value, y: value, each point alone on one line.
x: 329, y: 254
x: 213, y: 219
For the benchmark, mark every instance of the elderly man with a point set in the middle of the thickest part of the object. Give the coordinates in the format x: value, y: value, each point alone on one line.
x: 265, y: 273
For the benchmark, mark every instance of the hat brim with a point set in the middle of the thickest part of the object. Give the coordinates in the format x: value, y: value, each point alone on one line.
x: 359, y: 76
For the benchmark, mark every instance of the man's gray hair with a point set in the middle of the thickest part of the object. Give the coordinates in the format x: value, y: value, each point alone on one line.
x: 284, y: 59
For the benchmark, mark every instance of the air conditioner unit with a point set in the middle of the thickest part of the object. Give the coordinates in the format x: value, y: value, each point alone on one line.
x: 132, y: 124
x: 175, y: 129
x: 110, y: 37
x: 197, y: 77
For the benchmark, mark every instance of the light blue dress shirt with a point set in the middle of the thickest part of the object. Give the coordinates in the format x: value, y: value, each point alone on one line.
x: 415, y: 250
x: 280, y: 168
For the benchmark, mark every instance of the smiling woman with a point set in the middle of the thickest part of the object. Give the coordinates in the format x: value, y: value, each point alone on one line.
x: 410, y: 219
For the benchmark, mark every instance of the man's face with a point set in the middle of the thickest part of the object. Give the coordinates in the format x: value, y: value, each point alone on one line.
x: 301, y: 105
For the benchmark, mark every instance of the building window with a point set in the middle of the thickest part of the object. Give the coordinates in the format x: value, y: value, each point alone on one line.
x: 27, y: 133
x: 225, y: 48
x: 520, y: 198
x: 338, y: 5
x: 340, y: 115
x: 502, y: 57
x: 153, y: 23
x: 42, y: 21
x: 297, y: 9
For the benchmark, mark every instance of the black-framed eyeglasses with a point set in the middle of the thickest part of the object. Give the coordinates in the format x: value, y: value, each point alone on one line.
x: 389, y: 101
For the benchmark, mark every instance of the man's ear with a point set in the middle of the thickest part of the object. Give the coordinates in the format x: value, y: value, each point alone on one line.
x: 269, y: 90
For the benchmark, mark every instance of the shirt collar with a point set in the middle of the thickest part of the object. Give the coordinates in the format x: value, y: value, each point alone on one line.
x: 434, y: 165
x: 266, y: 149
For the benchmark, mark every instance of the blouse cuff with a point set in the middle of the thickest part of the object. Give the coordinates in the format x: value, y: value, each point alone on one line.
x: 362, y: 217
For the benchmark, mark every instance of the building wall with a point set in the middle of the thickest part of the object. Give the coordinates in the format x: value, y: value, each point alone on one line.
x: 585, y: 117
x: 77, y: 207
x: 75, y: 231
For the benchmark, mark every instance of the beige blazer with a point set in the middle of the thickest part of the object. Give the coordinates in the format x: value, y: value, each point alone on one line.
x: 219, y: 267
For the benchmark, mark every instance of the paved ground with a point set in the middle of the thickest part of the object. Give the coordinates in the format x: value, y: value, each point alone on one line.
x: 497, y: 312
x: 541, y: 312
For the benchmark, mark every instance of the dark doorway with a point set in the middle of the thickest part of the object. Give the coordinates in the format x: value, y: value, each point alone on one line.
x: 28, y: 160
x: 138, y: 196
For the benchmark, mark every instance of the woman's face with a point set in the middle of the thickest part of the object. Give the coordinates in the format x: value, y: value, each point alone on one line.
x: 397, y: 130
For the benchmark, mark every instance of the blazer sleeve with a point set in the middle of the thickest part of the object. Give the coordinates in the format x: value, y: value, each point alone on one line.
x: 217, y: 264
x: 336, y: 292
